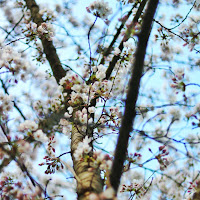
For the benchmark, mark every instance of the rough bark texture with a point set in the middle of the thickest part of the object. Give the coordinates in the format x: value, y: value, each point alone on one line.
x: 49, y: 49
x: 132, y: 95
x: 90, y: 181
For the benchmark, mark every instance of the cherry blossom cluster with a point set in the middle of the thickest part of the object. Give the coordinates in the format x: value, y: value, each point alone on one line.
x: 124, y: 64
x: 79, y: 94
x: 14, y: 63
x: 100, y: 9
x: 178, y: 80
x: 44, y: 30
x: 50, y: 148
x: 80, y: 89
x: 53, y: 164
x: 28, y: 125
x: 66, y: 126
x: 133, y: 158
x: 10, y: 188
x: 99, y: 160
x: 39, y: 135
x: 191, y: 34
x: 162, y: 159
x: 102, y: 161
x: 100, y: 71
x: 83, y: 148
x: 6, y: 105
x: 47, y: 14
x: 115, y: 115
x: 137, y: 187
x: 32, y: 129
x: 82, y: 116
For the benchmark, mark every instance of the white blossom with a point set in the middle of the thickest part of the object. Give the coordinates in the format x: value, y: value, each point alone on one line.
x: 40, y: 136
x: 67, y: 115
x: 28, y: 125
x: 100, y: 9
x: 91, y: 109
x: 117, y: 51
x: 101, y: 73
x: 83, y: 147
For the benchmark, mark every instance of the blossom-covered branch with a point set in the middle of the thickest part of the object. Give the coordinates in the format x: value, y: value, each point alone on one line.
x: 49, y: 49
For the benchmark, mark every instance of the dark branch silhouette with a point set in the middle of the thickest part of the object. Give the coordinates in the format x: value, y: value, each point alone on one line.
x: 130, y: 113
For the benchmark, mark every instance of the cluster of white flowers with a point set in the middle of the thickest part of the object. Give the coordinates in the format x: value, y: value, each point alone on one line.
x: 39, y: 107
x: 50, y: 87
x: 83, y: 148
x: 101, y: 72
x: 40, y: 136
x: 69, y: 112
x: 79, y: 94
x: 129, y: 48
x: 6, y: 104
x: 178, y: 80
x: 28, y: 125
x: 47, y: 14
x: 67, y: 128
x: 117, y: 51
x: 103, y: 88
x: 175, y: 113
x: 13, y: 61
x: 32, y: 26
x: 180, y: 73
x: 102, y: 161
x: 45, y: 29
x: 66, y: 125
x: 82, y: 116
x: 100, y: 9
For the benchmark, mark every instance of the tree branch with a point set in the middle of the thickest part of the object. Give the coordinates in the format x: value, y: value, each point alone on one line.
x: 132, y: 95
x: 48, y: 46
x: 125, y: 38
x: 107, y: 52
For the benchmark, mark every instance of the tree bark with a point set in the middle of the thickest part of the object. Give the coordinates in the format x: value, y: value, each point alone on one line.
x: 90, y: 179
